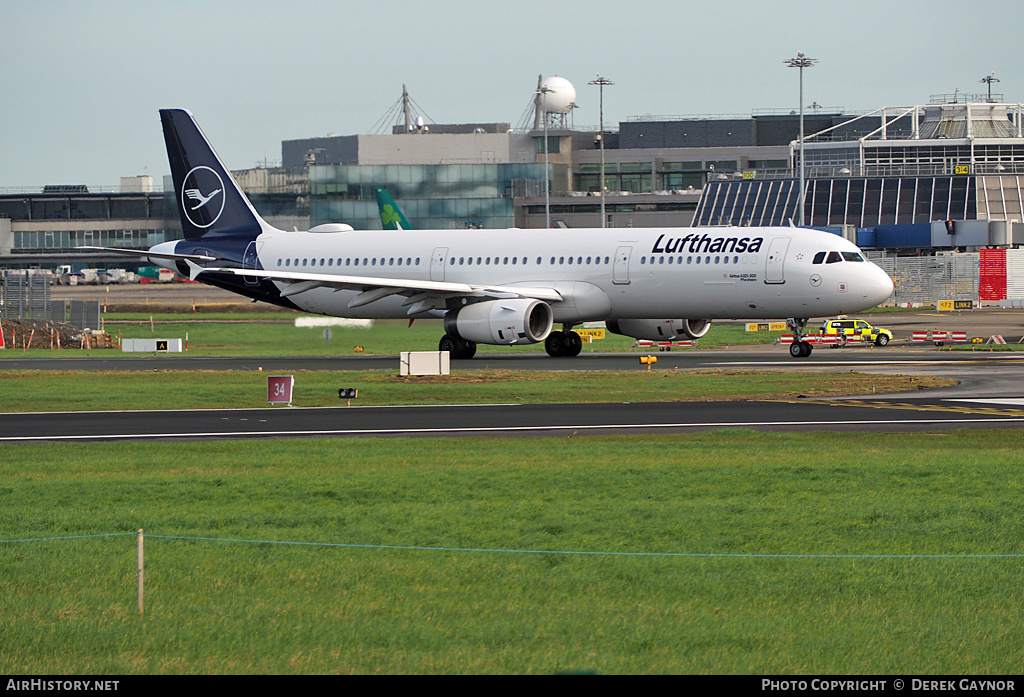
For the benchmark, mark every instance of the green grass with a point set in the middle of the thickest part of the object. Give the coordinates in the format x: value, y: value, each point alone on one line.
x: 275, y: 334
x: 215, y: 607
x: 122, y: 390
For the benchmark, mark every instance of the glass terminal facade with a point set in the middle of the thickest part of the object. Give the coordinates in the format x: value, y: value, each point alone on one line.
x: 441, y: 196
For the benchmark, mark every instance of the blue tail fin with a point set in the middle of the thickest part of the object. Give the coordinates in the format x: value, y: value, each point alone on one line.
x: 210, y: 203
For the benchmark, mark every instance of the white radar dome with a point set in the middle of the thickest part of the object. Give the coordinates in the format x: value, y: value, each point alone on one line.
x: 561, y: 99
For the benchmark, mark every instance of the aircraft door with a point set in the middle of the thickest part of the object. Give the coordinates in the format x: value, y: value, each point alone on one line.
x: 775, y: 261
x: 437, y: 263
x: 620, y: 270
x: 250, y: 260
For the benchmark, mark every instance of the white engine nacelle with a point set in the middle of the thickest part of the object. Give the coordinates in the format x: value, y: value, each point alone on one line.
x: 659, y: 329
x: 515, y: 321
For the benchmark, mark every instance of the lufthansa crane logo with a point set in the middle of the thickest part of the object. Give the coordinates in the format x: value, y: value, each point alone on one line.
x: 202, y: 196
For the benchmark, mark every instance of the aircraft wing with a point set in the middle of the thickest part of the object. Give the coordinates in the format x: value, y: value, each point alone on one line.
x: 420, y: 293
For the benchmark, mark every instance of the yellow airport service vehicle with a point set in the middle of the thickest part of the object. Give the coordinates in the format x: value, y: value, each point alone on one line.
x: 845, y: 327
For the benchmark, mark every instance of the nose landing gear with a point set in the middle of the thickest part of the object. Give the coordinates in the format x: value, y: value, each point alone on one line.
x: 799, y: 348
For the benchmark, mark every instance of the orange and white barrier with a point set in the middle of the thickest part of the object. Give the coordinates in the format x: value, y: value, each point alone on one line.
x: 814, y: 339
x: 663, y: 345
x: 939, y: 337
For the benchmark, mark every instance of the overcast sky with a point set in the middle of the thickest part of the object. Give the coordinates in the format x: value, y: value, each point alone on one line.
x: 81, y: 81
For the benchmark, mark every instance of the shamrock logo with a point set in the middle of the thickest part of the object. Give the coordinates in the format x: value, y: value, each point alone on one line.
x: 389, y: 216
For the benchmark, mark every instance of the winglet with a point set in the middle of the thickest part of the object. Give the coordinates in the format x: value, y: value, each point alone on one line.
x: 194, y: 269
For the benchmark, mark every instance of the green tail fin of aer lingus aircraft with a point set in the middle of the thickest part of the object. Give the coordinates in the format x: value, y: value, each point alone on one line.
x: 391, y: 216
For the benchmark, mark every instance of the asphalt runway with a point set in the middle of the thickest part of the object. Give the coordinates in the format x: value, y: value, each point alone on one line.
x: 989, y: 393
x: 989, y: 396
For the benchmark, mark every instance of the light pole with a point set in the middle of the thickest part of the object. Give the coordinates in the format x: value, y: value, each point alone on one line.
x: 543, y: 90
x: 601, y: 82
x: 801, y: 61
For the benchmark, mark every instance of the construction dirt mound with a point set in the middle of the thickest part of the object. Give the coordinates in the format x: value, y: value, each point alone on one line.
x: 43, y: 334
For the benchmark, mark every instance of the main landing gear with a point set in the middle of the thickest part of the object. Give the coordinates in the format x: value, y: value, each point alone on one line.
x: 457, y: 347
x: 558, y: 344
x: 799, y: 348
x: 564, y: 343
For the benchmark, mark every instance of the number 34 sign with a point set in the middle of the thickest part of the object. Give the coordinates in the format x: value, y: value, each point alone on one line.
x: 279, y: 389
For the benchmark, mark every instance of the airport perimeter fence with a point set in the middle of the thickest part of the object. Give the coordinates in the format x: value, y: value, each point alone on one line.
x: 930, y: 279
x: 140, y: 556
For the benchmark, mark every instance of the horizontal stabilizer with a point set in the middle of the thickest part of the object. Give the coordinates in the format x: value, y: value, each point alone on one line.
x: 149, y: 254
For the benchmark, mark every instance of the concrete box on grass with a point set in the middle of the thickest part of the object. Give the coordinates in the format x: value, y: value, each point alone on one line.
x: 424, y: 363
x: 150, y: 345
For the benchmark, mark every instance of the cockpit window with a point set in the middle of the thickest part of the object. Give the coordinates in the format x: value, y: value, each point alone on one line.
x: 819, y: 257
x: 833, y: 258
x: 852, y: 256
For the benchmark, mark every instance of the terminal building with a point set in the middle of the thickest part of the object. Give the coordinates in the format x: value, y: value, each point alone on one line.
x: 921, y: 180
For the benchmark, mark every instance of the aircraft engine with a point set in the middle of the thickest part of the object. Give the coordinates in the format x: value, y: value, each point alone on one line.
x: 659, y: 329
x: 514, y: 321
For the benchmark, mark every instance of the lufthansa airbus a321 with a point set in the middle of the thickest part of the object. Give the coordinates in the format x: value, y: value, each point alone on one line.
x: 508, y: 286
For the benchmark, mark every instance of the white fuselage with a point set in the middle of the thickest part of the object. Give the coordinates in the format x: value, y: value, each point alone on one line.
x: 712, y: 273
